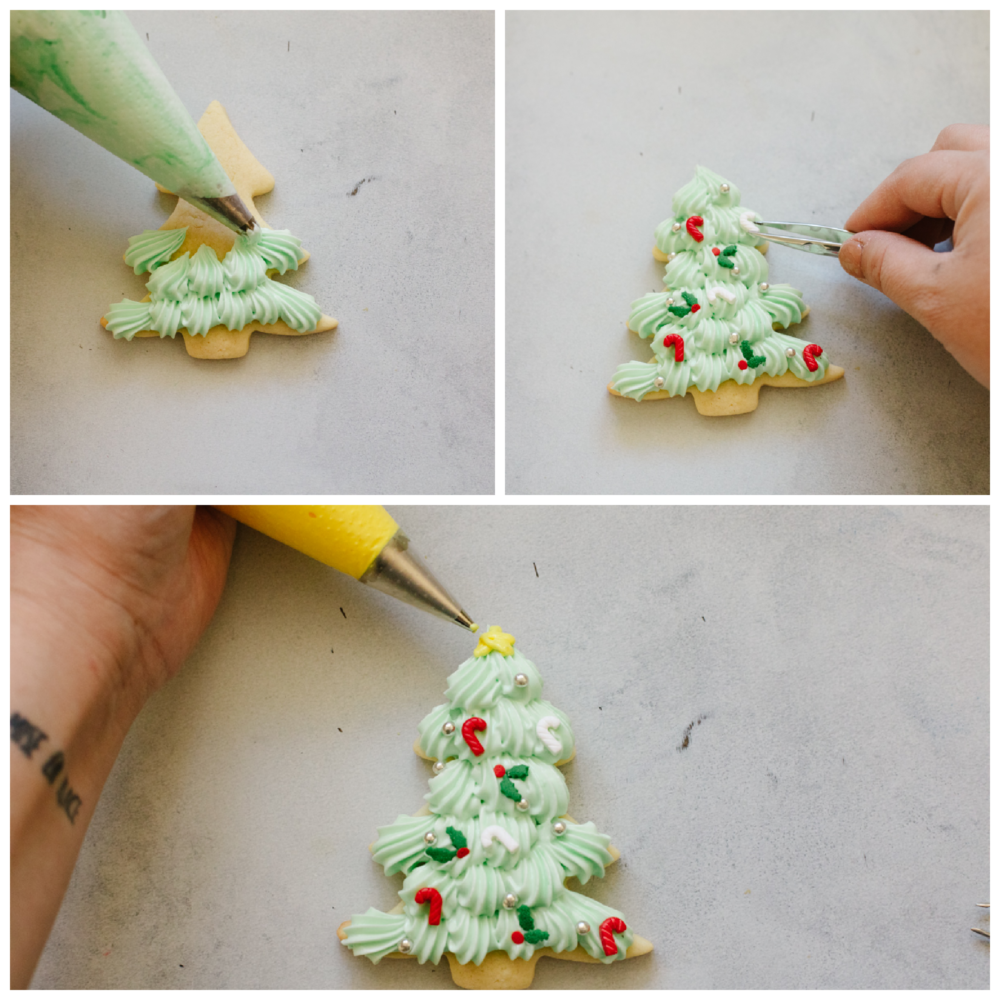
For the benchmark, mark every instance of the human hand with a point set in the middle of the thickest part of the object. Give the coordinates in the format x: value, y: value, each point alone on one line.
x: 943, y: 193
x: 106, y: 603
x: 140, y: 583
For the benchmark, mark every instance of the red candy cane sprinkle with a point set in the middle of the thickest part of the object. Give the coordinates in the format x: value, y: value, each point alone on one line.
x: 695, y: 220
x: 678, y: 344
x: 432, y: 896
x: 809, y: 353
x: 517, y: 937
x: 611, y: 927
x: 469, y: 728
x: 499, y: 770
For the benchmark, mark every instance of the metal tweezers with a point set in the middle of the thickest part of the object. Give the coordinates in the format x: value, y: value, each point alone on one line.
x: 976, y: 930
x: 813, y: 239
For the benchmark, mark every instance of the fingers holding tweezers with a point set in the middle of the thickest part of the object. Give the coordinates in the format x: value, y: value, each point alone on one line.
x: 967, y: 137
x: 936, y: 185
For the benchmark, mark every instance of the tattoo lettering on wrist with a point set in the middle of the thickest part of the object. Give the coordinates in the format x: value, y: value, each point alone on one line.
x: 24, y: 735
x: 27, y: 737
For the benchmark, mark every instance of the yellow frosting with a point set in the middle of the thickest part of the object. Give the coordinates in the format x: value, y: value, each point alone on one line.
x: 347, y: 537
x: 495, y: 640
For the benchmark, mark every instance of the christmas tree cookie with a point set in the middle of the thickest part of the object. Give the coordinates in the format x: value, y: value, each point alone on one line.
x: 718, y: 327
x: 209, y: 283
x: 485, y: 860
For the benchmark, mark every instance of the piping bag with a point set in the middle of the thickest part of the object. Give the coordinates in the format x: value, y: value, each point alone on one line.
x: 360, y: 540
x: 93, y: 71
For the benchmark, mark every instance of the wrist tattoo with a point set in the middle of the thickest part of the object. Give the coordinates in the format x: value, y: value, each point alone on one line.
x: 27, y: 737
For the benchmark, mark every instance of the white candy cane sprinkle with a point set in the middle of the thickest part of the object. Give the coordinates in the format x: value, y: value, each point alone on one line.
x: 492, y: 833
x: 543, y: 727
x: 746, y: 222
x: 724, y: 292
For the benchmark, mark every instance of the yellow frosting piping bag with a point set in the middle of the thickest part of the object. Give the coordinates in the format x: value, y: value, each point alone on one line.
x: 360, y: 540
x: 91, y: 70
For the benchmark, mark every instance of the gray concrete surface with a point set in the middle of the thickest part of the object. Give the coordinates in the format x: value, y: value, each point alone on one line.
x: 805, y: 112
x: 400, y: 107
x: 781, y: 717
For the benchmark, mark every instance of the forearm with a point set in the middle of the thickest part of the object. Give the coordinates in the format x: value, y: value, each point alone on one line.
x: 106, y: 603
x: 69, y: 716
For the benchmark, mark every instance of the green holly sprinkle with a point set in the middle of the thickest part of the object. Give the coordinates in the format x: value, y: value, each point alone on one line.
x: 679, y: 310
x: 753, y: 360
x: 527, y: 922
x: 442, y: 854
x: 689, y: 298
x: 518, y: 771
x: 729, y: 251
x: 457, y: 837
x: 508, y: 788
x: 725, y: 261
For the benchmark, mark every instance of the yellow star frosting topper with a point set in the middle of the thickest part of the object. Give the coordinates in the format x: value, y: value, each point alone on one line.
x: 495, y: 640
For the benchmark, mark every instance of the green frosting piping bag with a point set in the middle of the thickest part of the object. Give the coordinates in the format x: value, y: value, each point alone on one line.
x: 93, y: 71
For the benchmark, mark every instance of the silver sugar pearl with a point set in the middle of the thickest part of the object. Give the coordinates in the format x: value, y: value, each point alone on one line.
x: 736, y: 270
x: 670, y: 257
x: 658, y: 382
x: 670, y: 300
x: 559, y: 827
x: 764, y: 286
x: 734, y: 338
x: 789, y: 352
x: 405, y: 946
x: 429, y: 837
x: 521, y: 680
x: 676, y: 227
x: 522, y: 805
x: 448, y: 728
x: 438, y: 766
x: 723, y: 188
x: 509, y: 901
x: 583, y: 927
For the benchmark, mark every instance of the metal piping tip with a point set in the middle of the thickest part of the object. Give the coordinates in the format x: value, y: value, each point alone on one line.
x: 465, y: 621
x: 230, y: 211
x: 395, y: 571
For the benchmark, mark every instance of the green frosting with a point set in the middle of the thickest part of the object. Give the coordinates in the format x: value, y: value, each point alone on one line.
x: 375, y: 934
x: 703, y: 196
x: 472, y: 687
x: 199, y: 292
x: 152, y: 248
x: 468, y: 798
x: 733, y: 309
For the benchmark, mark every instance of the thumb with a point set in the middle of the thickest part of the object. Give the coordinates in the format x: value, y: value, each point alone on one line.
x: 899, y: 267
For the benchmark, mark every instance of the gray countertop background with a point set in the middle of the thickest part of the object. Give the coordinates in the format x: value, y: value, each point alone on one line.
x: 826, y: 825
x: 399, y: 399
x: 607, y: 117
